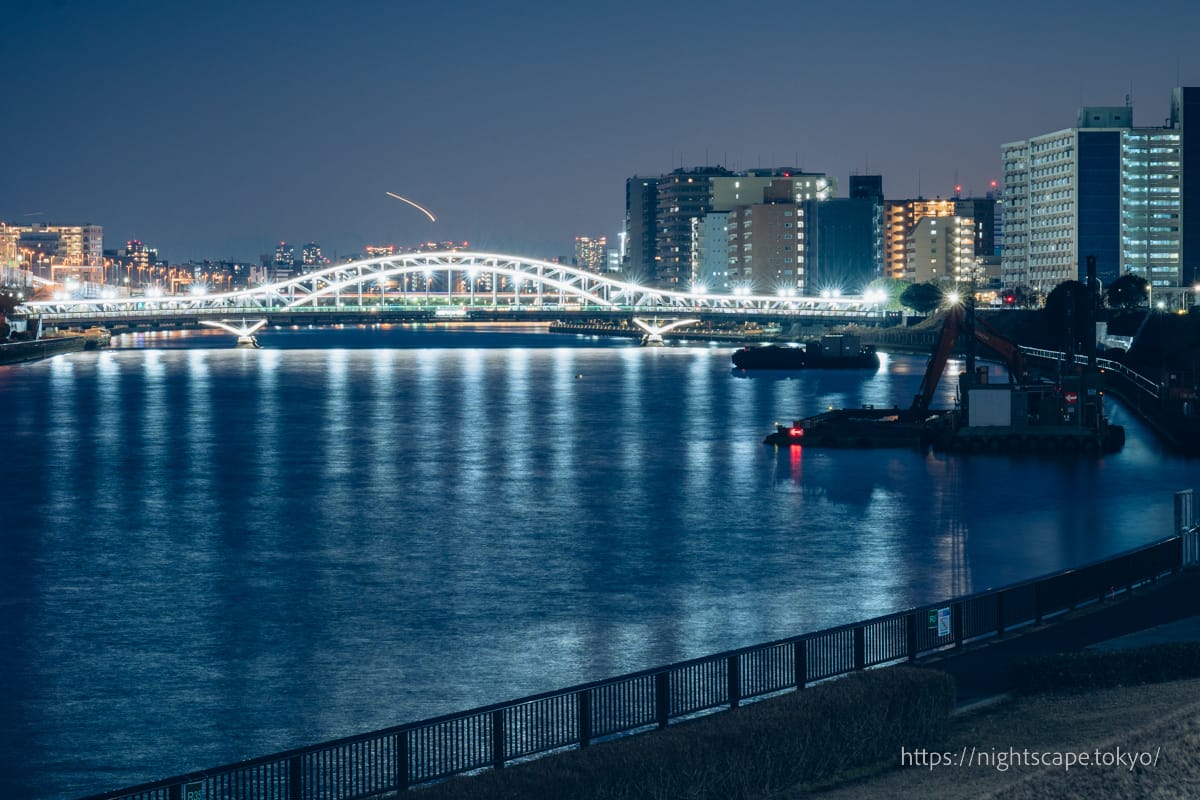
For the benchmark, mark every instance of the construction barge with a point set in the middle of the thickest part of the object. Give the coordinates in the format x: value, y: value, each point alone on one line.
x: 1060, y: 415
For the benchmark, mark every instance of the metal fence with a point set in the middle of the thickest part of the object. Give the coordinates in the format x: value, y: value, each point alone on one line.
x: 1135, y: 379
x: 408, y: 755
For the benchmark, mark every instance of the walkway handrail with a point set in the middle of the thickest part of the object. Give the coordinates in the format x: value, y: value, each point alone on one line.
x: 1140, y: 381
x: 403, y: 756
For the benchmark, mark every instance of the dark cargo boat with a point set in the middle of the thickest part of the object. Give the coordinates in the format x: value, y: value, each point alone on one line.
x: 835, y: 351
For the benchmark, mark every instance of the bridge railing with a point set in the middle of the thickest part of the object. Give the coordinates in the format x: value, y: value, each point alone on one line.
x: 1141, y: 382
x: 87, y: 317
x: 404, y: 756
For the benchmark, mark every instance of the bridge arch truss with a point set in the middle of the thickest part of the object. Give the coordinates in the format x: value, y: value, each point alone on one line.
x: 447, y: 279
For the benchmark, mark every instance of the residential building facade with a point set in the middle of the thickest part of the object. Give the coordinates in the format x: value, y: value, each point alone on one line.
x: 590, y: 253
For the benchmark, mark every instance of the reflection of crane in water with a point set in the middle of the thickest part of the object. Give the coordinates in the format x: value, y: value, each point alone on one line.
x: 245, y: 333
x: 654, y: 332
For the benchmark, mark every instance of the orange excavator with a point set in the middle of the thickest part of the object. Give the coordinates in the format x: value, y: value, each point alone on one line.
x: 1059, y: 416
x: 959, y: 321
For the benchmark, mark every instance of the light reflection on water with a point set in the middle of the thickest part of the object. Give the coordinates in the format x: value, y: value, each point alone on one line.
x: 217, y: 553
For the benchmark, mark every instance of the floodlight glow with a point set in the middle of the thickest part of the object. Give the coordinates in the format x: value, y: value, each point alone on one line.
x: 953, y: 298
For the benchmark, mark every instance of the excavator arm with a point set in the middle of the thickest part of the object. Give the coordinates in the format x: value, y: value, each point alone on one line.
x: 1014, y: 359
x: 955, y: 324
x: 937, y: 362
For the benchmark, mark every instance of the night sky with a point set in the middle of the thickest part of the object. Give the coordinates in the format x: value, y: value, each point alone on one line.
x: 216, y: 129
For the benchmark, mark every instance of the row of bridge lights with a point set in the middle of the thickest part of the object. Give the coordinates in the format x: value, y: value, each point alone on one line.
x: 876, y: 296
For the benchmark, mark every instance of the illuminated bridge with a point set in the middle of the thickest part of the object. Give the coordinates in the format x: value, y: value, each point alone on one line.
x: 448, y: 286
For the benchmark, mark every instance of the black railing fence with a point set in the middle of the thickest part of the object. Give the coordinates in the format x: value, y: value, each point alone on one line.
x: 397, y: 758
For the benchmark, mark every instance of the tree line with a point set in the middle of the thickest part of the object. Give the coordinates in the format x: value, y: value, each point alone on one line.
x: 1126, y: 292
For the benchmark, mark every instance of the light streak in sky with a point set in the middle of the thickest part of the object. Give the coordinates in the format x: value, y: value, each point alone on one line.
x: 422, y: 209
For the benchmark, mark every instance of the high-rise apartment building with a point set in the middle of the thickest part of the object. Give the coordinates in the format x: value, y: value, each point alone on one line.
x: 590, y: 253
x: 843, y: 244
x: 900, y: 217
x: 311, y: 257
x: 683, y: 195
x: 942, y: 248
x: 713, y: 244
x: 1185, y: 105
x: 641, y: 227
x: 766, y: 248
x: 845, y: 237
x: 136, y: 256
x: 1062, y: 201
x: 1160, y: 199
x: 677, y: 205
x: 283, y: 262
x: 983, y: 211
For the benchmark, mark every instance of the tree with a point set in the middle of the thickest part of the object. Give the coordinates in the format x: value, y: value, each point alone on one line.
x: 1067, y: 308
x: 1128, y: 291
x: 893, y: 287
x: 922, y: 297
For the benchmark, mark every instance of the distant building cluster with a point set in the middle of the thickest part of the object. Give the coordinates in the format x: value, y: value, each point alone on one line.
x: 52, y: 252
x: 785, y: 231
x: 1126, y: 195
x: 1104, y: 188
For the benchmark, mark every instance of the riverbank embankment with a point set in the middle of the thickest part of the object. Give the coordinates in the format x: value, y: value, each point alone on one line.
x: 17, y: 352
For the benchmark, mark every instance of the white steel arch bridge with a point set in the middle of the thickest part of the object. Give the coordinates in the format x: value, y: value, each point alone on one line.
x: 447, y: 282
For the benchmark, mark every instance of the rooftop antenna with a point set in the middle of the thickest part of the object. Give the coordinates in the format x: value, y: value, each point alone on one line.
x: 918, y: 184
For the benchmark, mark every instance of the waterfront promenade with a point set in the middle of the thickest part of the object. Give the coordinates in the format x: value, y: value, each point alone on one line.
x: 1158, y: 717
x: 986, y: 711
x: 1164, y: 612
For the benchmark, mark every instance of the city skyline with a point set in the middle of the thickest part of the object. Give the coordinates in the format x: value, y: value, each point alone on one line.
x: 209, y: 131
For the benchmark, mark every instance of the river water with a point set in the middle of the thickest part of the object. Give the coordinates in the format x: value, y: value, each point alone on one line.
x: 210, y: 554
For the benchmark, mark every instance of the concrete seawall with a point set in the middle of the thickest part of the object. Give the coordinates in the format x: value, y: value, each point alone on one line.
x: 16, y: 352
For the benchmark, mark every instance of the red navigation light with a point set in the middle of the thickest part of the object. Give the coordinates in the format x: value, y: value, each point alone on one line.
x: 993, y: 184
x: 796, y: 432
x: 787, y: 174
